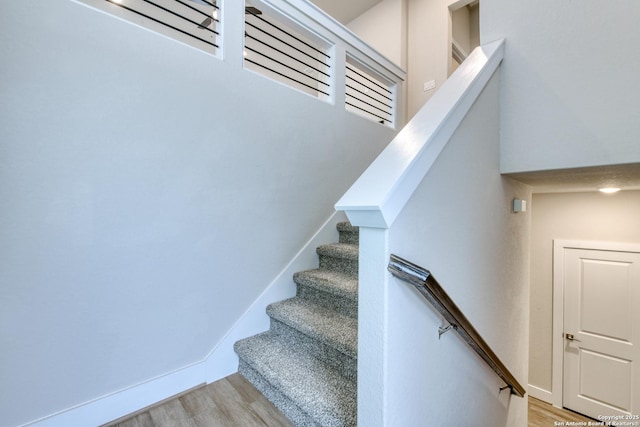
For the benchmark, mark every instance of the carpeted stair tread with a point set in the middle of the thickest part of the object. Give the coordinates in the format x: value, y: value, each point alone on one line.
x: 296, y: 416
x: 347, y: 227
x: 306, y: 363
x: 346, y: 251
x: 327, y: 326
x: 348, y: 233
x: 326, y: 396
x: 339, y: 257
x: 333, y: 282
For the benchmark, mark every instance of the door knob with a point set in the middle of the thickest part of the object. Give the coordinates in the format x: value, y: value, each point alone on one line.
x: 570, y: 337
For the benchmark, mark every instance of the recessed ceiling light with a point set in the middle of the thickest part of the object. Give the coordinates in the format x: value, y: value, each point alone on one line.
x: 609, y: 190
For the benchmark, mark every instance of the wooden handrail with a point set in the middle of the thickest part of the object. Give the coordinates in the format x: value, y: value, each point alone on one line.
x: 428, y: 286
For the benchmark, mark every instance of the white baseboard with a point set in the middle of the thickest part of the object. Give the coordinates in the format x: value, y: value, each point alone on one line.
x: 540, y: 394
x: 118, y: 404
x: 219, y: 363
x: 222, y: 360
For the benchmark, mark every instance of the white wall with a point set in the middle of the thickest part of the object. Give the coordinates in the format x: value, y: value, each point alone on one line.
x: 465, y: 32
x: 569, y: 93
x: 464, y: 27
x: 384, y: 27
x: 425, y: 25
x: 459, y: 225
x: 148, y: 194
x: 569, y: 216
x: 429, y: 49
x: 460, y: 28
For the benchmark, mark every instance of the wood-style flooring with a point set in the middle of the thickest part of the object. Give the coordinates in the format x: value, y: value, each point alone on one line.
x: 229, y: 402
x: 234, y: 402
x: 542, y: 414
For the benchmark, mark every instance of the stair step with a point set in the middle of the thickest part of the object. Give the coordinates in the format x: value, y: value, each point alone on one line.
x: 329, y: 289
x: 341, y: 257
x: 332, y: 282
x: 326, y: 334
x: 295, y: 415
x: 292, y: 376
x: 348, y: 233
x: 327, y: 326
x: 346, y: 251
x: 306, y: 363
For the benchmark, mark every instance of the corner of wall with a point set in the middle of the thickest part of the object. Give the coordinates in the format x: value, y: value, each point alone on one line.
x: 220, y: 362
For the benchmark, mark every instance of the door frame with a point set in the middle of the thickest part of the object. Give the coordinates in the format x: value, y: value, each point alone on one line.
x: 557, y: 342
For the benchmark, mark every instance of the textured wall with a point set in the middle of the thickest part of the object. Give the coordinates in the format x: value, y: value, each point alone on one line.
x: 429, y: 50
x: 569, y: 94
x: 148, y: 194
x: 459, y: 225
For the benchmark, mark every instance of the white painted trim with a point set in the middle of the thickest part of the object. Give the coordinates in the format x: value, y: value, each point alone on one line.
x: 122, y: 402
x: 373, y: 311
x: 458, y: 51
x: 316, y: 19
x: 540, y: 393
x: 557, y: 364
x: 146, y: 24
x: 600, y: 245
x: 557, y: 341
x: 380, y: 194
x: 303, y: 13
x: 220, y: 362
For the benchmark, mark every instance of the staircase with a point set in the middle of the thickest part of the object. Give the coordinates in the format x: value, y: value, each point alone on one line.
x: 306, y: 363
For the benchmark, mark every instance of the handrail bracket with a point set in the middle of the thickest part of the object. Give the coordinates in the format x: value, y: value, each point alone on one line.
x: 442, y: 331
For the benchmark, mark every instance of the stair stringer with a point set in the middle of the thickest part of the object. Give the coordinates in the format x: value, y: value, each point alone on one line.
x: 222, y: 360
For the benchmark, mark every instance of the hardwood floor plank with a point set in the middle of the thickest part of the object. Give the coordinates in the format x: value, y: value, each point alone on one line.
x: 232, y: 404
x: 212, y: 418
x: 229, y: 402
x: 248, y: 392
x: 197, y: 402
x: 170, y: 414
x: 140, y: 420
x: 131, y: 422
x: 542, y: 414
x: 270, y: 415
x: 145, y: 420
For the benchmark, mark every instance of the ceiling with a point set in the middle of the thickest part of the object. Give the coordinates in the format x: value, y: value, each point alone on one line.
x: 345, y: 11
x: 626, y: 177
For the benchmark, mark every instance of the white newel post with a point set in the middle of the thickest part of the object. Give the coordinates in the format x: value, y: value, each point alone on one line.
x: 372, y: 339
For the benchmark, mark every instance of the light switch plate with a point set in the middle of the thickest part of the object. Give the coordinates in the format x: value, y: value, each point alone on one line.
x: 430, y: 85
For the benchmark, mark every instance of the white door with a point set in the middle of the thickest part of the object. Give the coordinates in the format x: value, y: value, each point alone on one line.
x: 601, y: 332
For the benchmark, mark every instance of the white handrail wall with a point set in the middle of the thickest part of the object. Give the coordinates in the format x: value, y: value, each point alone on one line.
x: 435, y: 196
x: 376, y: 199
